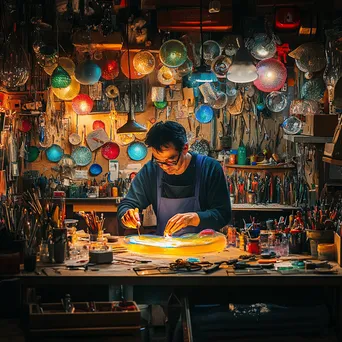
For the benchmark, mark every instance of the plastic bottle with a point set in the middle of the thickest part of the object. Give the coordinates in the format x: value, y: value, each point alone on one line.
x: 242, y: 155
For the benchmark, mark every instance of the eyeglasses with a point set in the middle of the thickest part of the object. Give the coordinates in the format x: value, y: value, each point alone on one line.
x: 169, y: 162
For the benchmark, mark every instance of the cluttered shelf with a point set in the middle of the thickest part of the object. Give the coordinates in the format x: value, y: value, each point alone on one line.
x: 308, y: 139
x: 261, y: 167
x: 332, y: 161
x: 263, y: 207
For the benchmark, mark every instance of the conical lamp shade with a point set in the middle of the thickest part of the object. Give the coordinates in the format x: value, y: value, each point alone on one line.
x: 60, y: 78
x: 242, y: 69
x: 131, y: 126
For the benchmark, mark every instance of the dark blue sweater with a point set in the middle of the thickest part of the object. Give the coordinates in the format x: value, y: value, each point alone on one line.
x: 214, y: 195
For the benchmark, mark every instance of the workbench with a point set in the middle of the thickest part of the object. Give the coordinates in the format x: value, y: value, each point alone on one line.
x: 216, y: 286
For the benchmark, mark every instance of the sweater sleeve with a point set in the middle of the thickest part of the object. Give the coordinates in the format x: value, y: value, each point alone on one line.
x: 139, y: 194
x: 214, y: 196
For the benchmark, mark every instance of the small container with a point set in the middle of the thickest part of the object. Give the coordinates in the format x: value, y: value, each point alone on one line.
x: 251, y: 198
x: 115, y: 192
x: 326, y: 251
x: 232, y: 157
x: 242, y: 155
x: 253, y: 246
x: 30, y: 262
x: 253, y: 159
x: 295, y: 241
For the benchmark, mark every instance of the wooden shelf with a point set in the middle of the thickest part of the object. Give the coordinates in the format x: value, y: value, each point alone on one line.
x: 261, y: 167
x: 307, y: 139
x: 332, y: 161
x: 263, y: 207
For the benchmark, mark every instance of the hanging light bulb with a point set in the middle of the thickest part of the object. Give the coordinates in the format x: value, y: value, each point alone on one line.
x: 60, y: 78
x: 82, y: 104
x: 242, y: 70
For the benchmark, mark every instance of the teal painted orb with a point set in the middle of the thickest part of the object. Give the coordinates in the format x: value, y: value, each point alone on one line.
x: 88, y: 73
x: 204, y: 114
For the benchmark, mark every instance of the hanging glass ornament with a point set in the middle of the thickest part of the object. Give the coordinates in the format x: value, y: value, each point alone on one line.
x: 211, y: 50
x: 82, y: 104
x: 166, y: 75
x: 88, y: 72
x: 144, y: 62
x: 272, y: 75
x: 261, y: 46
x: 68, y: 93
x: 220, y: 66
x: 14, y: 66
x: 66, y: 63
x: 110, y: 70
x: 173, y: 53
x: 135, y: 75
x: 204, y: 114
x: 60, y: 78
x: 185, y: 68
x: 47, y: 56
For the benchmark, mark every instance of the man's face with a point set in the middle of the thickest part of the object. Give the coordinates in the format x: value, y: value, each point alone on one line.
x: 169, y: 159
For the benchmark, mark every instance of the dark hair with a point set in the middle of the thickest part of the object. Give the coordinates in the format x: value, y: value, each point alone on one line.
x: 162, y: 134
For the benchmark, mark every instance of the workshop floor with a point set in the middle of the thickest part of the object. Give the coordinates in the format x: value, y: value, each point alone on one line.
x: 10, y: 332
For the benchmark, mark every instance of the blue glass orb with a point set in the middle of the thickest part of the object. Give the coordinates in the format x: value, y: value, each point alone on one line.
x: 137, y: 151
x: 204, y: 114
x: 173, y: 53
x: 88, y: 72
x: 54, y: 153
x: 60, y: 78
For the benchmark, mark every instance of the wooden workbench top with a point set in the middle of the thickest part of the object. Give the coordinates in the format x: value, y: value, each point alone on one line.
x: 118, y: 273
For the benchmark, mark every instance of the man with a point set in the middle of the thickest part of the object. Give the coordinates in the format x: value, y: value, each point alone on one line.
x: 188, y: 191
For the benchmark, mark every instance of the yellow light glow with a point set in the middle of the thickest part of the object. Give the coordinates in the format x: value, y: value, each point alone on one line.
x: 189, y: 244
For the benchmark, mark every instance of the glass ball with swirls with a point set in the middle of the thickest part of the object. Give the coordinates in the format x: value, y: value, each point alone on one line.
x: 272, y: 75
x: 204, y: 113
x: 144, y: 62
x: 173, y: 53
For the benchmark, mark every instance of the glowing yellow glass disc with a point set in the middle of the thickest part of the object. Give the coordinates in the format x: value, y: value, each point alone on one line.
x: 190, y: 244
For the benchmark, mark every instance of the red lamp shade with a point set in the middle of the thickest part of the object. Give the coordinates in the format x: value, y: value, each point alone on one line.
x: 287, y: 18
x: 110, y: 70
x: 82, y: 104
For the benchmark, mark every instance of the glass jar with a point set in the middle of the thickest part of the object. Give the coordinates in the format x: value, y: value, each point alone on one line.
x: 253, y: 246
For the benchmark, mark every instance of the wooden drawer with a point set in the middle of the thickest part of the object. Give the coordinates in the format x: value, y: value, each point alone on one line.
x: 55, y: 321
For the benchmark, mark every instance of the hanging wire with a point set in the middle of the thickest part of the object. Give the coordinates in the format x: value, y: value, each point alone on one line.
x: 201, y: 31
x: 129, y: 63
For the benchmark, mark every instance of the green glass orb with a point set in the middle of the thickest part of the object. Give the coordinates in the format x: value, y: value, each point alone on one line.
x: 160, y: 105
x: 60, y: 78
x: 173, y: 53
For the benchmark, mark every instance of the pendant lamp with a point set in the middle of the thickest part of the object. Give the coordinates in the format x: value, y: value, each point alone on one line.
x: 202, y: 73
x: 60, y: 78
x: 131, y: 126
x: 242, y: 69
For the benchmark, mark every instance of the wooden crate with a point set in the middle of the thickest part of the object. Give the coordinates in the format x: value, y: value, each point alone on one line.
x: 320, y: 125
x: 55, y: 322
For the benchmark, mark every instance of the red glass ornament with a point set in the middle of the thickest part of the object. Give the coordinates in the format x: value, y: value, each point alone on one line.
x: 82, y: 104
x: 110, y: 70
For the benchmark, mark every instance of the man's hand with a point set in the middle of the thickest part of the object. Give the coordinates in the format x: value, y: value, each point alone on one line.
x: 131, y: 218
x: 180, y: 221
